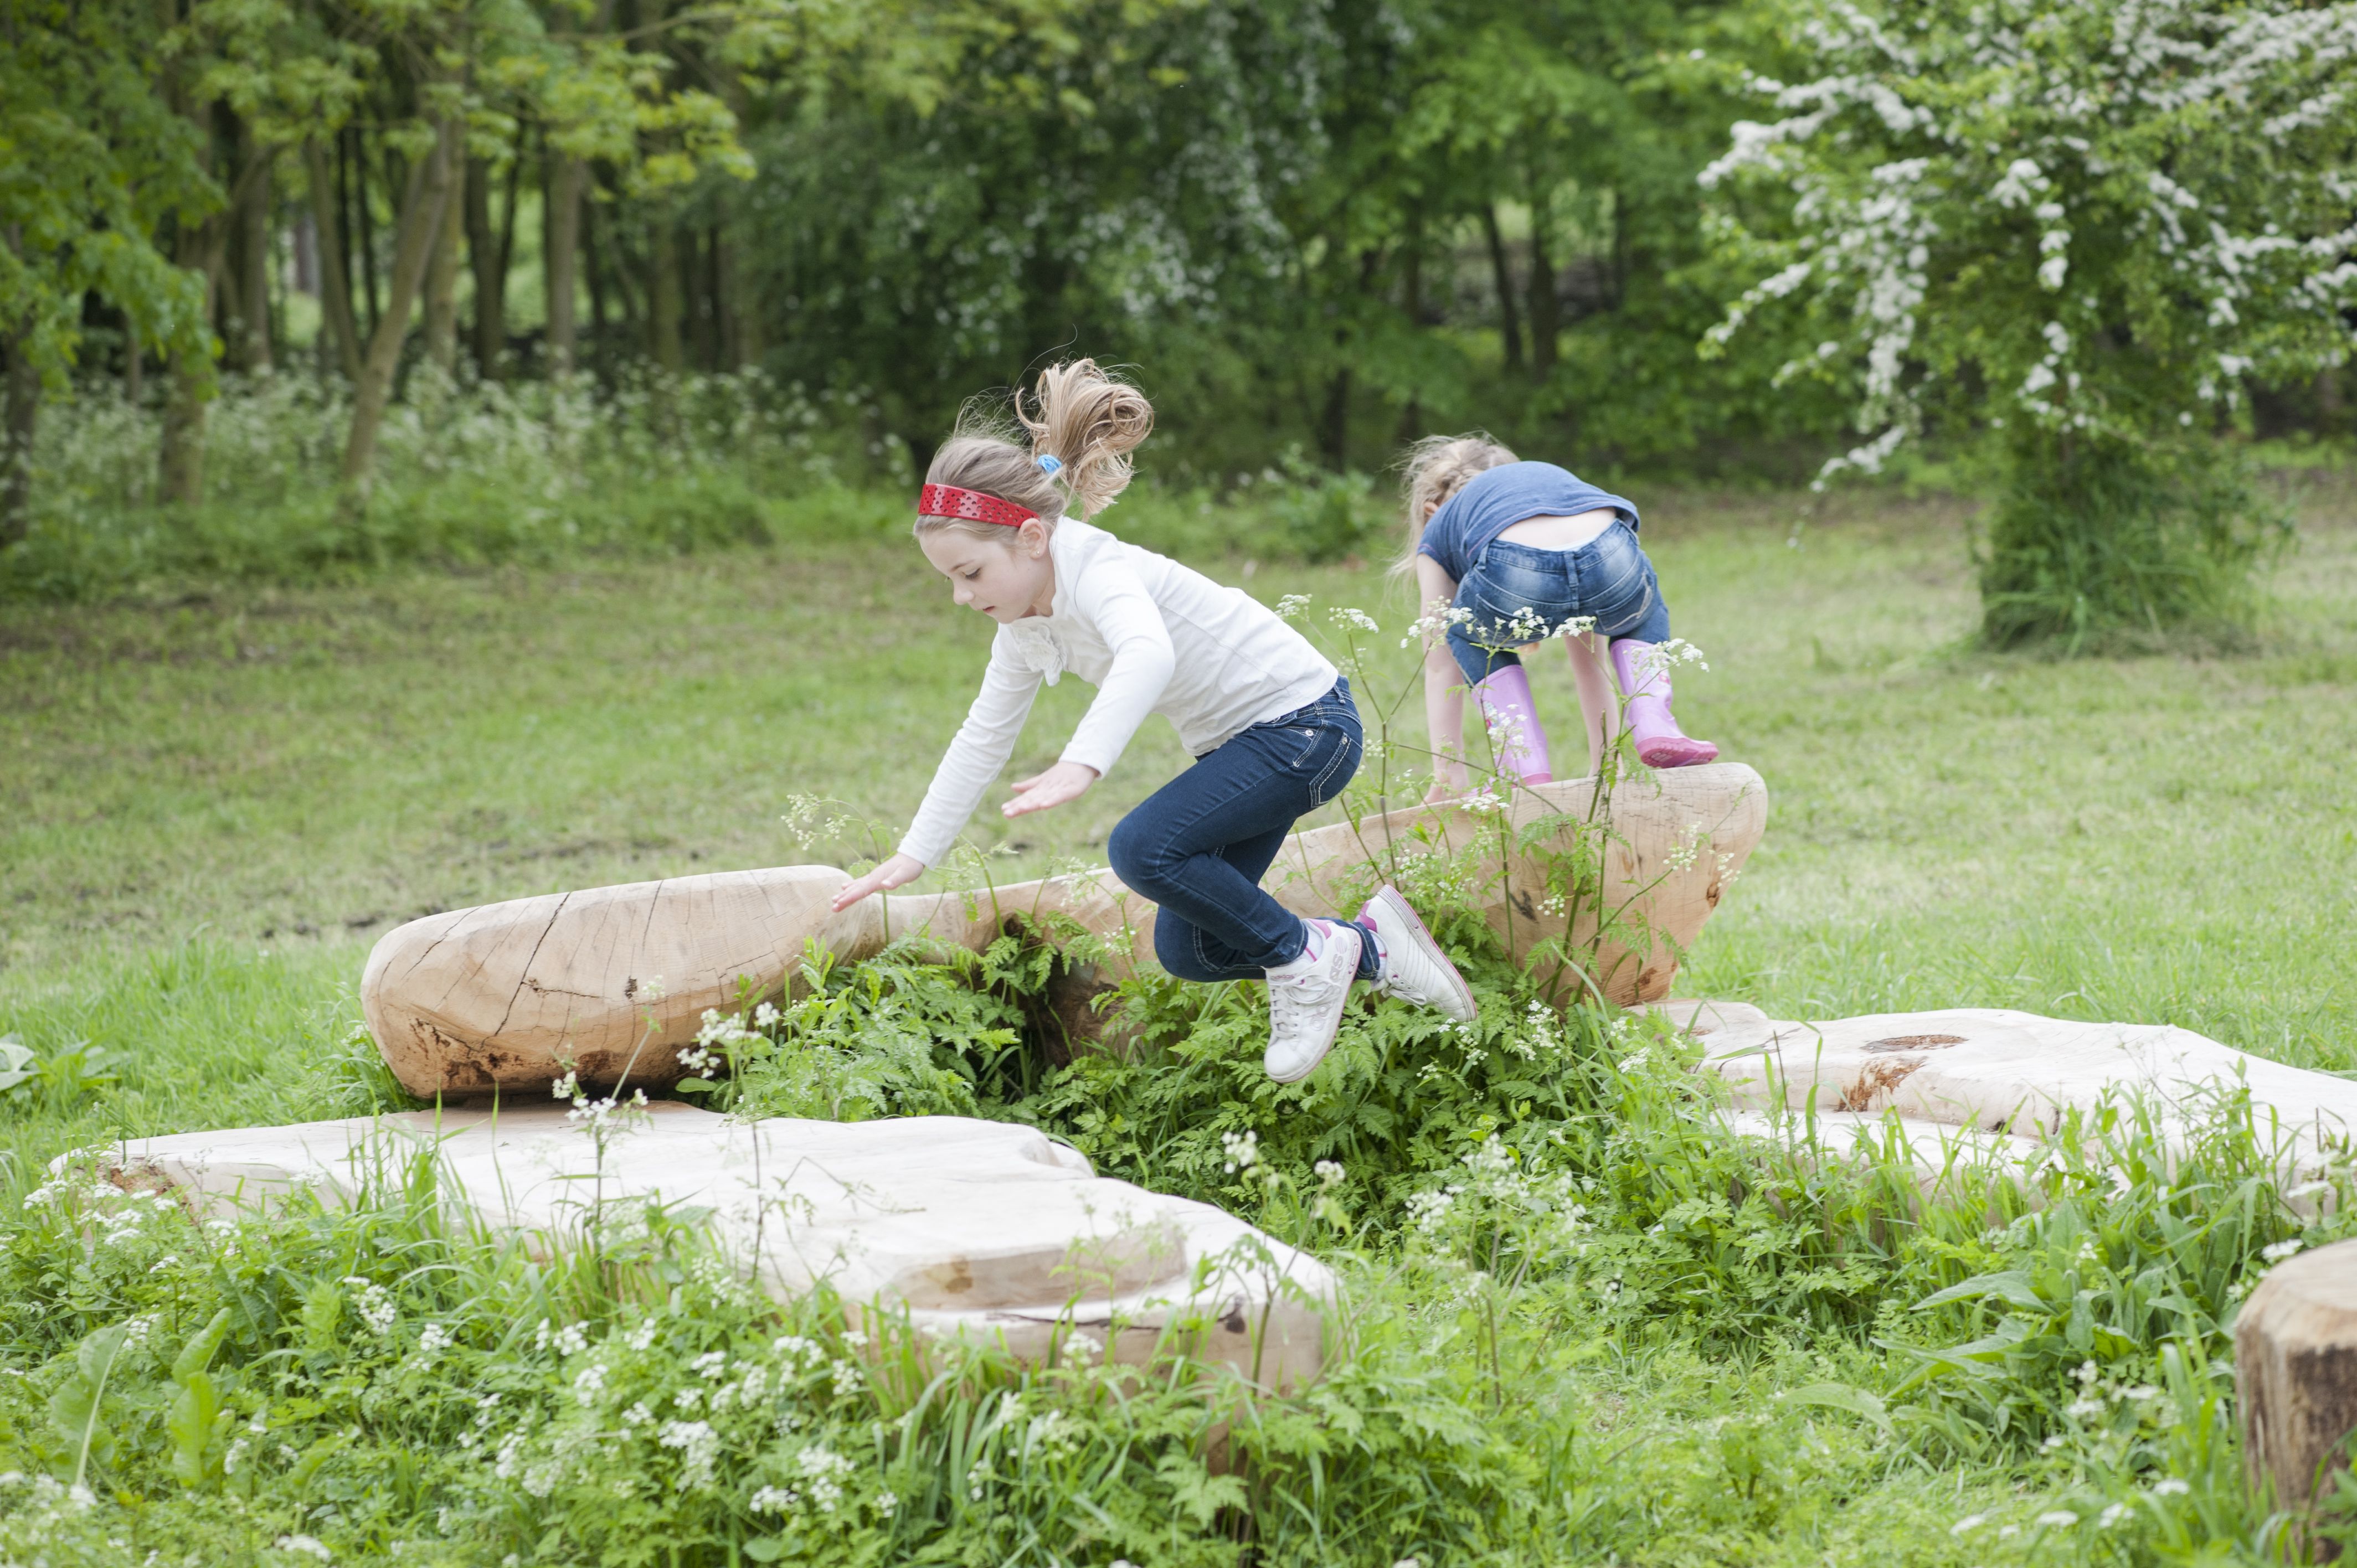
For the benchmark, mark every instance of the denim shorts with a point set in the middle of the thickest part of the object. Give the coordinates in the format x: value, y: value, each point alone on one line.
x: 1516, y: 595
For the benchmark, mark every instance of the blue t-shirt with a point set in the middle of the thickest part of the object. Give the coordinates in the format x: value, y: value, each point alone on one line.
x: 1494, y: 501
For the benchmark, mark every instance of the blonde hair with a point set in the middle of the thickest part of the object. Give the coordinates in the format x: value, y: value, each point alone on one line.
x: 1075, y: 414
x: 1436, y: 468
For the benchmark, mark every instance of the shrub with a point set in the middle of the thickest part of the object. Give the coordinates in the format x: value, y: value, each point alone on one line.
x: 2112, y: 546
x: 468, y: 475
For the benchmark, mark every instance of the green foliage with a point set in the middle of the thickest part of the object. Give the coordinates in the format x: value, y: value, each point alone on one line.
x: 198, y: 1422
x: 479, y: 474
x: 885, y: 1037
x: 1281, y: 214
x: 369, y: 1377
x: 78, y: 1408
x: 2093, y: 226
x: 1320, y: 516
x: 469, y: 476
x: 58, y: 1082
x: 91, y: 160
x: 2106, y: 543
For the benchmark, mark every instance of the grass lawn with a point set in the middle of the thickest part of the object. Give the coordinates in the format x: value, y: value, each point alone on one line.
x: 263, y: 785
x: 213, y: 806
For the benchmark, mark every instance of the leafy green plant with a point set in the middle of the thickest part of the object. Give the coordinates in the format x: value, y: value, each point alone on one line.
x: 78, y: 1409
x: 63, y: 1079
x: 19, y: 1064
x: 198, y: 1420
x: 2116, y: 545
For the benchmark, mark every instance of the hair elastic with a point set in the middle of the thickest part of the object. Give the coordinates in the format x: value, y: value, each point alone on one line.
x: 971, y: 506
x: 1050, y: 463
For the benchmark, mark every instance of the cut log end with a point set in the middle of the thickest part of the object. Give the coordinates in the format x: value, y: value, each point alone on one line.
x: 2295, y: 1370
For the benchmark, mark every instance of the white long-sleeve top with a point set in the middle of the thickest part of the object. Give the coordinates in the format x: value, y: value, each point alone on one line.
x: 1152, y: 637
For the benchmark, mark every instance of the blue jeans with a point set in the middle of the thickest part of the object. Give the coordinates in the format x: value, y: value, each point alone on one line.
x: 1199, y: 846
x: 1607, y: 577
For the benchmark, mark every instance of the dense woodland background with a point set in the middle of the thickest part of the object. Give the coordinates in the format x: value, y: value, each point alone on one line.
x: 1317, y: 229
x: 1312, y: 225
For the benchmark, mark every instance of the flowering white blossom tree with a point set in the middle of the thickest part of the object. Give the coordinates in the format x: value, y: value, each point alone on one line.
x: 2088, y: 224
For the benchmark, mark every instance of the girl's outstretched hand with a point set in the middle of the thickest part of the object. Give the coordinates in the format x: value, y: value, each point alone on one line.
x: 900, y: 868
x: 1065, y: 781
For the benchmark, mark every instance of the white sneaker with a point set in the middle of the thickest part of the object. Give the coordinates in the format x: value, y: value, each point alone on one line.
x: 1409, y: 963
x: 1306, y: 998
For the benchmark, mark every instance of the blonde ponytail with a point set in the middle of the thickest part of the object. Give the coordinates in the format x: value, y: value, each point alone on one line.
x: 1089, y: 422
x: 1076, y: 416
x: 1436, y: 468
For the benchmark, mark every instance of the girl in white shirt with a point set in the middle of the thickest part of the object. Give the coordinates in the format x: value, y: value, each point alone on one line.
x: 1271, y: 723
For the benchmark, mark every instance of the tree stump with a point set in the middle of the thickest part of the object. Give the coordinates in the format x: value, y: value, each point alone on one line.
x: 2296, y: 1370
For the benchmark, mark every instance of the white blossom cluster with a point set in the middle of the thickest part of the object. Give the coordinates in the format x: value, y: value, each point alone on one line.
x: 373, y: 1305
x: 2033, y: 191
x: 719, y: 1037
x: 1499, y: 1188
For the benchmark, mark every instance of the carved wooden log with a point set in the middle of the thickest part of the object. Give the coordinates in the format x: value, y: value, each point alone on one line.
x: 507, y: 996
x: 2295, y: 1374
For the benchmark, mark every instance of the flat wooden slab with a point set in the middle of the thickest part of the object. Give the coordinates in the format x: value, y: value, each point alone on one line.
x: 978, y: 1228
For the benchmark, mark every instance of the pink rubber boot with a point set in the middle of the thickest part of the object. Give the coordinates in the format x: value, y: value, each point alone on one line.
x: 1660, y: 742
x: 1513, y: 719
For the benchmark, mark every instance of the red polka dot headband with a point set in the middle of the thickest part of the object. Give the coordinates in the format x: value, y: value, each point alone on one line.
x: 971, y: 506
x: 974, y: 505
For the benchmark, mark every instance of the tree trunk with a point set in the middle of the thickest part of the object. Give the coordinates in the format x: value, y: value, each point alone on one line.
x: 725, y: 330
x: 252, y: 289
x: 303, y: 252
x: 23, y: 396
x: 483, y: 261
x: 702, y: 256
x: 180, y: 465
x: 197, y: 246
x: 565, y: 178
x: 596, y: 278
x: 1510, y: 326
x: 335, y: 283
x: 1335, y: 433
x: 364, y: 229
x: 737, y: 298
x: 1547, y: 310
x: 747, y: 342
x: 441, y: 279
x: 663, y: 293
x: 423, y: 204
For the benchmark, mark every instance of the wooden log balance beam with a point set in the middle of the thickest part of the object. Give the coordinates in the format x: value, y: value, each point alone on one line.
x: 611, y: 981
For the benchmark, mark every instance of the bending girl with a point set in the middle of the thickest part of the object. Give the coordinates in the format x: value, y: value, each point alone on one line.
x: 1270, y: 722
x: 1516, y: 549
